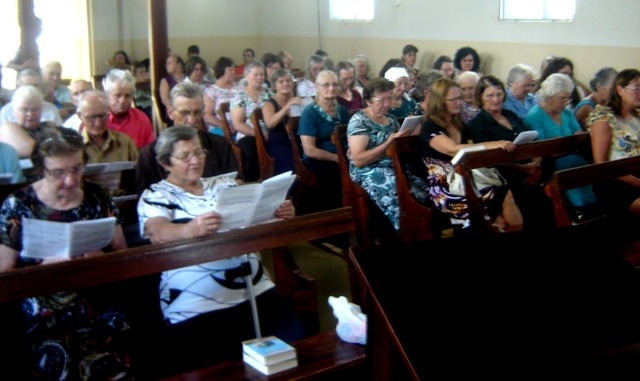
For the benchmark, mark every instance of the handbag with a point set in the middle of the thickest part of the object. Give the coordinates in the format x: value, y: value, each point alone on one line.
x: 483, y: 177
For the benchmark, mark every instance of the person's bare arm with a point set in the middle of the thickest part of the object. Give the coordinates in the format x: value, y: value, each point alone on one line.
x: 17, y: 137
x: 160, y: 229
x: 310, y: 149
x: 210, y: 112
x: 8, y: 258
x: 271, y: 117
x: 362, y: 156
x: 239, y: 122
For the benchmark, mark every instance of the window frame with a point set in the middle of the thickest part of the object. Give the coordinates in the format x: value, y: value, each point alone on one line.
x: 352, y: 13
x: 548, y: 10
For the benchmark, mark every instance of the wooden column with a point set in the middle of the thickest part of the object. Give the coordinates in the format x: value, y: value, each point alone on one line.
x: 159, y: 50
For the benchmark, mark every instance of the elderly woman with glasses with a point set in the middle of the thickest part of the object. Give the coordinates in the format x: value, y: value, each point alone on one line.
x: 316, y: 126
x: 615, y: 134
x: 27, y: 104
x: 207, y: 302
x: 370, y: 132
x: 57, y: 326
x: 552, y: 119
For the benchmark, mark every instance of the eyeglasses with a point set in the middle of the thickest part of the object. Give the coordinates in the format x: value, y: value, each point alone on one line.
x: 62, y: 173
x: 195, y: 114
x: 327, y: 85
x: 496, y: 95
x: 187, y: 156
x: 563, y: 99
x: 381, y: 100
x: 32, y: 110
x: 454, y: 100
x: 94, y: 118
x: 634, y: 89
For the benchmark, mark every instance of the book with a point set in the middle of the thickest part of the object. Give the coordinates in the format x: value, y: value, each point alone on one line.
x: 270, y: 369
x: 463, y: 151
x: 251, y: 204
x: 525, y: 137
x: 268, y: 350
x: 48, y: 239
x: 411, y: 122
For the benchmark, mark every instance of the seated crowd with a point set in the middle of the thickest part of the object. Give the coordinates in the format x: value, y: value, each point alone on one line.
x: 62, y: 129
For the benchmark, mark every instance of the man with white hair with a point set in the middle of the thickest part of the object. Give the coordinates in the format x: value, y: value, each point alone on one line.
x: 119, y: 85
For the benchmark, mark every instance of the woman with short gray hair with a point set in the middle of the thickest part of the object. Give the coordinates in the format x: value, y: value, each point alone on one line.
x: 519, y: 85
x: 27, y: 106
x: 552, y: 119
x: 600, y: 86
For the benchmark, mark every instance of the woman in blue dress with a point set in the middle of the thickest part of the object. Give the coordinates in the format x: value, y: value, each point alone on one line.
x: 370, y: 132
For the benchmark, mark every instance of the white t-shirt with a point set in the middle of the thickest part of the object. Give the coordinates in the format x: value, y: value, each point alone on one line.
x: 189, y: 291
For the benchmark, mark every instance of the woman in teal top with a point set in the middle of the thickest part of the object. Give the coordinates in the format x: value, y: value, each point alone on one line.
x: 552, y: 119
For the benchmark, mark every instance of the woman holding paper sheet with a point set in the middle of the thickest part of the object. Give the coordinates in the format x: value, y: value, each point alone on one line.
x: 494, y: 122
x: 58, y: 326
x: 207, y: 302
x: 370, y: 132
x: 444, y: 134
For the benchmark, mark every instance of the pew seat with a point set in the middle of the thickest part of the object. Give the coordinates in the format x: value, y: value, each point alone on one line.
x: 321, y: 356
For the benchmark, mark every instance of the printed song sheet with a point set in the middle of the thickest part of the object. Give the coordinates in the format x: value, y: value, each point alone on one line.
x: 251, y: 204
x: 48, y: 239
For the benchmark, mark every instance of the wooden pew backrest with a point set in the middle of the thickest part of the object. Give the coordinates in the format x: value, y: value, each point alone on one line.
x: 352, y: 194
x: 585, y: 175
x: 265, y: 160
x: 223, y: 110
x: 417, y: 221
x: 549, y: 148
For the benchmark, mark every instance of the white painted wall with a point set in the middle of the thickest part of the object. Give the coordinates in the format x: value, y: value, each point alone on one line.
x: 597, y: 22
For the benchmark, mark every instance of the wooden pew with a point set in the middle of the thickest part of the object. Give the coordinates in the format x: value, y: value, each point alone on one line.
x: 223, y: 110
x: 352, y: 194
x: 548, y: 148
x: 305, y: 178
x: 585, y: 175
x: 418, y: 222
x: 333, y: 355
x: 265, y: 159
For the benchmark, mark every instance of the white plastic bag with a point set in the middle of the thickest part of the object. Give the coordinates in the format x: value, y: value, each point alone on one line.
x: 352, y: 323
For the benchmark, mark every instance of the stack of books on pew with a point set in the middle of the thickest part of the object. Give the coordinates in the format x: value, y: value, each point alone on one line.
x: 269, y: 355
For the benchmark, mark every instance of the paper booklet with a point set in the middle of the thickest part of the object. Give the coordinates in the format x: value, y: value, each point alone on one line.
x: 525, y: 137
x: 113, y: 166
x: 251, y: 204
x: 49, y: 239
x: 411, y: 122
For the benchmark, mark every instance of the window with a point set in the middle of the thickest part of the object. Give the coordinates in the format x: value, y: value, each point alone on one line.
x: 537, y: 10
x: 60, y: 40
x: 351, y: 10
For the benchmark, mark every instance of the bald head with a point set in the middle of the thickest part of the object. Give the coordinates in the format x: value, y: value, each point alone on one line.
x: 77, y: 87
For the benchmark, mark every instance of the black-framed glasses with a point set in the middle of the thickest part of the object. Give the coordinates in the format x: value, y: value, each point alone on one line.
x: 187, y: 156
x: 62, y: 173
